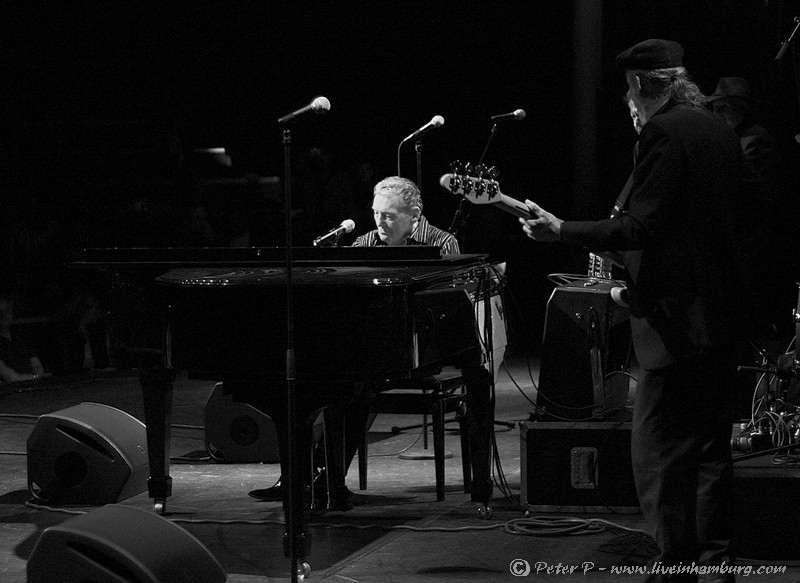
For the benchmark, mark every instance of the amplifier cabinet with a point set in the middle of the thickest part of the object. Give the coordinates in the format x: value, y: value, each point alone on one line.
x: 576, y: 467
x: 584, y: 352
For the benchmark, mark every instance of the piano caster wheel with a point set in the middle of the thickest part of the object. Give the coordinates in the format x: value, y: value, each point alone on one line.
x: 484, y: 512
x: 303, y: 571
x: 160, y: 507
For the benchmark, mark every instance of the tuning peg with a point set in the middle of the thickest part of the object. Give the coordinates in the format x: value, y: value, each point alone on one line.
x: 480, y: 170
x: 480, y: 186
x: 468, y: 169
x: 493, y: 172
x: 456, y: 167
x: 466, y: 184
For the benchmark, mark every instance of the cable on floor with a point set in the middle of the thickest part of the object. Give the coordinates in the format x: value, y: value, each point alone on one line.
x: 536, y: 526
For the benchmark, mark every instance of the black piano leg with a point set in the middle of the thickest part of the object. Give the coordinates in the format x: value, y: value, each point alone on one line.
x: 480, y: 421
x: 157, y: 397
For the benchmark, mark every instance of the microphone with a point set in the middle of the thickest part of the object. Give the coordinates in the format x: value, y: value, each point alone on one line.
x: 517, y: 114
x: 436, y: 121
x: 331, y: 237
x: 319, y: 105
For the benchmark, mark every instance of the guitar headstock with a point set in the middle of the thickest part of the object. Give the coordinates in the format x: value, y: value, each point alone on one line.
x: 478, y: 184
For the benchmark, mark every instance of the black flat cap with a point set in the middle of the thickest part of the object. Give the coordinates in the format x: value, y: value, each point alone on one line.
x: 654, y: 53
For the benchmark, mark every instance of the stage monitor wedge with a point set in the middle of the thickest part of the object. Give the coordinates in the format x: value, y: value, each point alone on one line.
x: 87, y: 454
x: 121, y: 544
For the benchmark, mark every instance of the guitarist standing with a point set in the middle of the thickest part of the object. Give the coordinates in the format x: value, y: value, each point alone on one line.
x: 676, y: 237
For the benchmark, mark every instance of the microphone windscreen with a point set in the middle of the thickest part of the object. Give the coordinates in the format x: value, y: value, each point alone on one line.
x: 437, y: 121
x: 349, y: 225
x: 519, y: 113
x: 321, y: 104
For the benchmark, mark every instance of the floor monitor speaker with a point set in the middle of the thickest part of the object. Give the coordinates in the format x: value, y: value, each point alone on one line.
x: 237, y: 432
x: 87, y: 454
x: 121, y: 544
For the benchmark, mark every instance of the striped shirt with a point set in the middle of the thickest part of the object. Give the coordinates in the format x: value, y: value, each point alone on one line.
x: 424, y: 234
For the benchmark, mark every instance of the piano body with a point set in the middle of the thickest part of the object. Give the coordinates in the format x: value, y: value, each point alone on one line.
x: 360, y: 315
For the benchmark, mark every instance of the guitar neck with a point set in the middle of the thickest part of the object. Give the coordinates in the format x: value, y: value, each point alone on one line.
x: 512, y: 206
x: 487, y: 191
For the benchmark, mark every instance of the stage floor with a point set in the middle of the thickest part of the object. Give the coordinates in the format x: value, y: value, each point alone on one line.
x: 397, y: 531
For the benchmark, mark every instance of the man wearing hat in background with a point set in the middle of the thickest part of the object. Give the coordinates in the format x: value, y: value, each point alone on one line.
x: 766, y: 237
x: 676, y: 235
x: 733, y: 101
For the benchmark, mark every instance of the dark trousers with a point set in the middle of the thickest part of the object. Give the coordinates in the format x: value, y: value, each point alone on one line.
x: 346, y: 424
x: 681, y: 456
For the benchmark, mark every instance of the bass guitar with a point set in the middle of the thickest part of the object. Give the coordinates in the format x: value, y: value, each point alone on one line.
x: 485, y: 189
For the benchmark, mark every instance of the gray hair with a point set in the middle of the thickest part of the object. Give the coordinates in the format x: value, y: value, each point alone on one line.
x: 401, y: 187
x: 673, y: 83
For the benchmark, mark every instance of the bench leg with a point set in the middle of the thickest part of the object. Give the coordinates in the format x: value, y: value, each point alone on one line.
x: 438, y: 447
x: 362, y: 460
x: 466, y: 466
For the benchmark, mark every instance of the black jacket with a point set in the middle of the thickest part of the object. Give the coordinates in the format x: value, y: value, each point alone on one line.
x: 677, y: 235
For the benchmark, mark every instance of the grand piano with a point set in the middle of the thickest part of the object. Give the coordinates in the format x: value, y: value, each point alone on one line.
x: 358, y: 316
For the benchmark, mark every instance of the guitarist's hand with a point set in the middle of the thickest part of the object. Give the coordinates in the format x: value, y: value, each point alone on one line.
x: 543, y: 226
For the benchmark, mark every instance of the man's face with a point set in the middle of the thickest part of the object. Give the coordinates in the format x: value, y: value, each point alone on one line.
x: 635, y: 102
x: 394, y: 220
x: 637, y: 123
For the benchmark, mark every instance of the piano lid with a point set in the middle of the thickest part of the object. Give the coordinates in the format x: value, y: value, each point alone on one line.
x: 266, y: 256
x: 333, y: 275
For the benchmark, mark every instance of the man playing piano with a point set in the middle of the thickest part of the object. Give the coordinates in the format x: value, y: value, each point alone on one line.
x: 397, y: 211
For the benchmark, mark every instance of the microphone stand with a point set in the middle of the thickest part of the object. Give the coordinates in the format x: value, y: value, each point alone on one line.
x: 400, y: 145
x: 294, y: 536
x: 488, y: 143
x: 418, y: 150
x: 788, y: 41
x: 462, y: 214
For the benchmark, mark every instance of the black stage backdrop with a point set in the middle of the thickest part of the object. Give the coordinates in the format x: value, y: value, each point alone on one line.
x: 105, y: 105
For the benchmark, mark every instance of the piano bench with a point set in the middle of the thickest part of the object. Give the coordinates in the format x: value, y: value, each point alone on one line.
x: 434, y: 395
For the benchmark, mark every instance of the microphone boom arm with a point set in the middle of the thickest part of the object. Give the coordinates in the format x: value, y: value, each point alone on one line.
x: 788, y: 41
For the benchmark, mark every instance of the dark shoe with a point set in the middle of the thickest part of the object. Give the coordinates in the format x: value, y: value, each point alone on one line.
x: 333, y: 498
x: 271, y: 494
x: 335, y: 501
